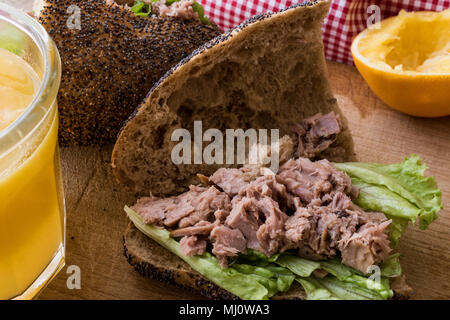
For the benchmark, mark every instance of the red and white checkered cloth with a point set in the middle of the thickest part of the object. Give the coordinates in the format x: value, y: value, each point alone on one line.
x: 345, y: 20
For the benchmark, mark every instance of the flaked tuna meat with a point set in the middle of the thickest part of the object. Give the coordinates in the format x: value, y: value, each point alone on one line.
x: 271, y: 233
x: 182, y: 9
x: 368, y: 246
x: 221, y: 216
x: 341, y: 201
x: 235, y: 181
x: 315, y: 183
x: 306, y: 207
x: 185, y: 210
x: 319, y: 230
x: 316, y: 134
x: 192, y: 245
x: 227, y: 243
x: 323, y: 232
x: 231, y: 181
x: 322, y: 126
x: 306, y: 252
x: 153, y: 211
x: 268, y: 186
x: 245, y: 217
x: 366, y: 217
x: 181, y: 207
x: 201, y: 228
x: 324, y: 222
x: 261, y: 222
x: 205, y: 203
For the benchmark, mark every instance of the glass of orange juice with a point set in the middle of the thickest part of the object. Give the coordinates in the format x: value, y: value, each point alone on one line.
x: 32, y: 213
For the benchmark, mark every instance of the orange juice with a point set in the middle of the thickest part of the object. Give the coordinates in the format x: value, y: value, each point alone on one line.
x: 31, y: 212
x: 18, y: 86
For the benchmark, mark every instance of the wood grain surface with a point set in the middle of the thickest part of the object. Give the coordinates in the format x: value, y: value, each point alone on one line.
x: 95, y: 219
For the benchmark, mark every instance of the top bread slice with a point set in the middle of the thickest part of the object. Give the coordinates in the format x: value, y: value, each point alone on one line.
x: 269, y: 72
x: 111, y: 61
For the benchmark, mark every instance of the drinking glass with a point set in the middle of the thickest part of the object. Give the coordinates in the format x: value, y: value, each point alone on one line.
x: 32, y: 211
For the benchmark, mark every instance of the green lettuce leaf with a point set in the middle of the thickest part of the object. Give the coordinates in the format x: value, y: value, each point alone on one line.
x: 399, y: 190
x: 285, y: 277
x: 197, y: 7
x: 314, y: 290
x: 240, y: 284
x: 336, y: 268
x: 349, y: 275
x: 391, y: 267
x: 299, y: 266
x: 396, y: 229
x: 330, y: 288
x: 274, y: 278
x: 256, y: 256
x: 340, y: 275
x: 261, y: 278
x: 141, y: 9
x: 379, y: 198
x: 347, y: 290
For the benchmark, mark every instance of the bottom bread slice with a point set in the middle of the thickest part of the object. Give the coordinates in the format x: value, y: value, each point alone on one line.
x: 153, y: 261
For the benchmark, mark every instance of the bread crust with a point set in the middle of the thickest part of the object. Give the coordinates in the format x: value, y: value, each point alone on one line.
x: 111, y: 62
x: 174, y: 271
x: 267, y: 73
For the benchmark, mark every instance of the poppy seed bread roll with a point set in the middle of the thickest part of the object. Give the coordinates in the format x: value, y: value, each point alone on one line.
x: 111, y: 61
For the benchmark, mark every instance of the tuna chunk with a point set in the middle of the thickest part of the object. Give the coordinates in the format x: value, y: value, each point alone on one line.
x: 323, y: 232
x: 268, y: 186
x: 192, y: 245
x: 261, y: 222
x: 231, y: 181
x: 227, y: 243
x: 271, y: 233
x: 189, y: 208
x: 366, y: 216
x: 319, y: 230
x: 341, y: 201
x: 221, y: 215
x: 205, y: 202
x: 201, y: 228
x: 152, y: 210
x: 246, y: 218
x: 316, y: 134
x: 315, y: 183
x: 181, y: 207
x: 369, y: 246
x: 307, y: 206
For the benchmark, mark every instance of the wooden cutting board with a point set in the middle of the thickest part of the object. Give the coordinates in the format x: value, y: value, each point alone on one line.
x: 95, y: 217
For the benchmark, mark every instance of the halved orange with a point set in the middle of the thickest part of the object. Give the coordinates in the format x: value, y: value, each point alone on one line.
x: 406, y: 62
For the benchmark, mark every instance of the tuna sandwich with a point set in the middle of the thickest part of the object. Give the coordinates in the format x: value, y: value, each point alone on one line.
x: 322, y: 226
